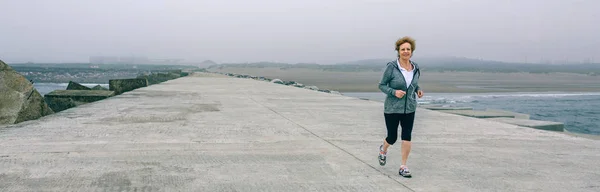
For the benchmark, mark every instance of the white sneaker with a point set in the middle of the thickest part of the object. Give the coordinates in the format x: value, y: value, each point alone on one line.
x: 404, y: 172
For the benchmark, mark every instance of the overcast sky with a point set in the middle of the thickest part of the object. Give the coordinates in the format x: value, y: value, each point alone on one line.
x: 321, y: 31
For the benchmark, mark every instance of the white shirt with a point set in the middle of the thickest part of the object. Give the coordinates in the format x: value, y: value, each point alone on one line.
x: 408, y: 75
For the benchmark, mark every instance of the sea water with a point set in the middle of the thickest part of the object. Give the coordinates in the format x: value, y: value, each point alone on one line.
x: 45, y: 88
x: 580, y: 112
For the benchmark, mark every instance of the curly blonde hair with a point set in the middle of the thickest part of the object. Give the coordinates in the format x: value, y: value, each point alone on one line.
x: 406, y: 39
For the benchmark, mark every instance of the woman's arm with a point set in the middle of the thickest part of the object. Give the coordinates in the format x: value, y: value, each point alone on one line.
x: 385, y: 79
x: 418, y: 74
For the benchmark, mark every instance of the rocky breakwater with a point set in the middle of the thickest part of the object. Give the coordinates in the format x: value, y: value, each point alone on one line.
x: 60, y: 100
x: 162, y: 76
x: 77, y: 94
x: 120, y: 86
x: 279, y: 81
x: 19, y: 100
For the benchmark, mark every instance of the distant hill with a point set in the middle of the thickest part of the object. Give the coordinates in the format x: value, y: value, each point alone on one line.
x: 434, y: 64
x: 467, y: 64
x: 367, y: 62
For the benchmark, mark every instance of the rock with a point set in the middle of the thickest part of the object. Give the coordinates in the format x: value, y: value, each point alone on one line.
x: 60, y: 100
x: 312, y: 87
x: 298, y: 85
x: 158, y: 77
x: 278, y: 81
x: 336, y: 92
x: 19, y: 100
x: 120, y: 86
x: 76, y: 86
x: 98, y: 87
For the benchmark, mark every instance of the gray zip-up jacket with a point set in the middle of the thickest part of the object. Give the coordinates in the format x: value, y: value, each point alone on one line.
x: 393, y: 80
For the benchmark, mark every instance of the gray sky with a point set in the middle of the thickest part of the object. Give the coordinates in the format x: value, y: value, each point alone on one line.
x: 322, y: 31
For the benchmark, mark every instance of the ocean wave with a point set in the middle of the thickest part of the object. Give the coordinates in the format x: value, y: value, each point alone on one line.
x: 537, y: 95
x: 477, y: 98
x: 442, y: 101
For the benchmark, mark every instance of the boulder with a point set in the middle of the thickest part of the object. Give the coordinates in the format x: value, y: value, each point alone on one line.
x: 19, y: 100
x: 158, y: 77
x: 312, y: 87
x: 76, y: 86
x: 120, y: 86
x: 60, y: 100
x: 278, y: 81
x: 98, y: 87
x: 300, y: 85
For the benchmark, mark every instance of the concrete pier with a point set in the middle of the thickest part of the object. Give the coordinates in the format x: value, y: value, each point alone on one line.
x: 482, y: 114
x: 441, y: 108
x: 544, y: 125
x: 207, y: 132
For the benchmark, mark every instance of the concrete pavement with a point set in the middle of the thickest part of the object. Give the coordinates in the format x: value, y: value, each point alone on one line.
x: 207, y: 132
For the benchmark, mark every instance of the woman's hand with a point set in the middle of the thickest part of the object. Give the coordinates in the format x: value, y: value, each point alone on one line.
x: 400, y: 93
x: 420, y: 93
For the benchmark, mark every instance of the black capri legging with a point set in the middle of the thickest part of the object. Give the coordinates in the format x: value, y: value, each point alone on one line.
x: 392, y: 120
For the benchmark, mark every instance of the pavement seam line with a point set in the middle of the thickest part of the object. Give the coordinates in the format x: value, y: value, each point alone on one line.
x: 312, y: 133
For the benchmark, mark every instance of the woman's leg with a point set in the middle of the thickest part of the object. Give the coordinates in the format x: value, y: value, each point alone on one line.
x: 391, y: 121
x: 406, y: 145
x: 407, y: 122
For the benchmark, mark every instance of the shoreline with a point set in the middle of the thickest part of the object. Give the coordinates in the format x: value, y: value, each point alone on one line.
x: 433, y: 82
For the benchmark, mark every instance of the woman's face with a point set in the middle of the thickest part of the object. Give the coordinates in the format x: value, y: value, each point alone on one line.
x: 405, y: 51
